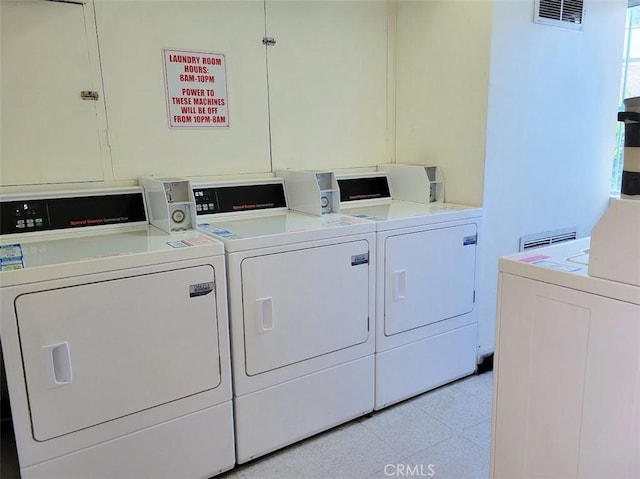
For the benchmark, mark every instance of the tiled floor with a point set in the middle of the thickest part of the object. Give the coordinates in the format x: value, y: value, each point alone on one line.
x: 444, y: 434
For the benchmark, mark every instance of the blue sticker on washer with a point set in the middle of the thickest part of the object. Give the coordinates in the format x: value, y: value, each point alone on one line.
x: 217, y: 231
x: 11, y: 257
x: 367, y: 217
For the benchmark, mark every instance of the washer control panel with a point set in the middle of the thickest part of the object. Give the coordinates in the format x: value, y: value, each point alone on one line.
x: 32, y: 215
x: 227, y: 199
x: 29, y: 215
x: 363, y: 188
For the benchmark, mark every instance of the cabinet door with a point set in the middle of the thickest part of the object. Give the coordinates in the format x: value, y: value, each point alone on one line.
x: 429, y: 277
x: 327, y: 83
x: 303, y: 304
x: 99, y: 351
x: 567, y: 383
x: 132, y: 36
x: 49, y: 133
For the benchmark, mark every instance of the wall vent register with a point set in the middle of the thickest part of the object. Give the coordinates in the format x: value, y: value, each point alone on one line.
x: 547, y: 238
x: 560, y: 13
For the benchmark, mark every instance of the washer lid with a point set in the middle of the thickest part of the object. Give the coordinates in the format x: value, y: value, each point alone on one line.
x: 405, y: 214
x: 566, y: 264
x: 48, y: 256
x: 241, y: 234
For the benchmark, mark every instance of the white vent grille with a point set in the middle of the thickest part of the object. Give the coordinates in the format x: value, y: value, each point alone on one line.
x: 560, y: 13
x: 547, y: 238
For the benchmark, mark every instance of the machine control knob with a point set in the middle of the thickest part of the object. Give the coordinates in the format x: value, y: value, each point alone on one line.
x: 178, y: 216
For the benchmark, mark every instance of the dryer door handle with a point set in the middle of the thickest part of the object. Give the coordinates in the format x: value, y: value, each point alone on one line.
x: 57, y: 360
x: 264, y: 316
x: 399, y: 284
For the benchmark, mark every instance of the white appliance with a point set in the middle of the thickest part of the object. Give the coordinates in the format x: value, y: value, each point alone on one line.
x: 301, y: 304
x: 114, y: 339
x: 615, y: 243
x: 426, y: 311
x: 567, y: 377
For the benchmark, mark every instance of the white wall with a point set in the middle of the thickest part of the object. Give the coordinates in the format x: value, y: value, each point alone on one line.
x: 550, y: 130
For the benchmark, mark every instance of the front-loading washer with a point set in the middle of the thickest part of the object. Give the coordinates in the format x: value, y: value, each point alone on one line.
x: 301, y: 306
x: 114, y: 340
x: 426, y: 311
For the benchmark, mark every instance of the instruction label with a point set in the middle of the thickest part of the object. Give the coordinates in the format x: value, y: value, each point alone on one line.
x: 196, y: 84
x: 209, y: 228
x: 558, y: 266
x: 178, y: 244
x: 532, y: 259
x: 11, y: 257
x: 341, y: 221
x: 368, y: 217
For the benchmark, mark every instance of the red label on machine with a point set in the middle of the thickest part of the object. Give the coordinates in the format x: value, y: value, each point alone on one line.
x: 196, y: 84
x: 531, y: 259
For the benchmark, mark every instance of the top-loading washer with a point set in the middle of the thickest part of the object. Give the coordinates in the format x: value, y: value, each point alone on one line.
x: 301, y: 305
x: 567, y: 376
x: 114, y: 339
x: 566, y: 399
x: 426, y: 312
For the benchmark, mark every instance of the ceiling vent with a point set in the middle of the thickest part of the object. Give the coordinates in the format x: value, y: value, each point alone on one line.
x: 547, y: 238
x: 560, y: 13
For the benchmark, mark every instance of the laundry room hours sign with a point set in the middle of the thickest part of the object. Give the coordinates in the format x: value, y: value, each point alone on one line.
x: 196, y: 85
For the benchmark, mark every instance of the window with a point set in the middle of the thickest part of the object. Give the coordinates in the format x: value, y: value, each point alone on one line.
x: 630, y: 86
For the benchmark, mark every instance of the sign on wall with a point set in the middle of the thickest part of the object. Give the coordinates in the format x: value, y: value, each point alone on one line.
x: 196, y: 84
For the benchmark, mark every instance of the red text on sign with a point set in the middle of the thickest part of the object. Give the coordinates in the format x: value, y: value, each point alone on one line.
x: 195, y: 69
x: 211, y: 61
x: 209, y: 101
x: 192, y: 92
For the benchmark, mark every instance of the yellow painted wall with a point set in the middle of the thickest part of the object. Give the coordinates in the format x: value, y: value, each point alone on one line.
x: 328, y: 83
x: 442, y: 54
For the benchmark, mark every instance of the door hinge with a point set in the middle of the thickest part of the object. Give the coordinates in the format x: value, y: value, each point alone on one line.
x: 89, y: 95
x: 107, y: 137
x: 474, y: 295
x: 269, y: 41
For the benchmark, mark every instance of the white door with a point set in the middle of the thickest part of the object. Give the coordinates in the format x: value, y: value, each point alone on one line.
x: 304, y: 303
x: 429, y: 277
x: 132, y: 37
x: 328, y: 85
x: 567, y: 385
x: 99, y: 351
x: 49, y: 133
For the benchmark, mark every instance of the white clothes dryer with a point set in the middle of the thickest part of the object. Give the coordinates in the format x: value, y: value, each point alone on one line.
x: 114, y: 339
x: 301, y: 303
x: 426, y: 311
